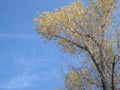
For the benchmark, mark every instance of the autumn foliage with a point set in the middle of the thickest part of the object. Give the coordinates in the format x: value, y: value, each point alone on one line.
x: 93, y: 29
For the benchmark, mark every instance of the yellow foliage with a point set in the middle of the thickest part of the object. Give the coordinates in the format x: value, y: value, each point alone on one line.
x: 73, y: 80
x: 77, y: 28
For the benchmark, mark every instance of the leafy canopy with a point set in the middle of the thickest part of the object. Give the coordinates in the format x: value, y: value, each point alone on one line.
x: 94, y: 30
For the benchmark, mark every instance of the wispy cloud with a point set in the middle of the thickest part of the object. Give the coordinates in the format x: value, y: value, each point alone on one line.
x: 28, y: 81
x: 29, y: 73
x: 19, y: 82
x: 17, y: 36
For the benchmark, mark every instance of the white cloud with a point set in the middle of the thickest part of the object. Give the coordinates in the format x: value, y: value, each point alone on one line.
x: 28, y: 81
x: 30, y: 71
x: 19, y: 82
x: 16, y: 36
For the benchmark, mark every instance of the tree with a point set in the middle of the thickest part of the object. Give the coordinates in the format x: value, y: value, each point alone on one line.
x: 93, y: 29
x: 88, y: 79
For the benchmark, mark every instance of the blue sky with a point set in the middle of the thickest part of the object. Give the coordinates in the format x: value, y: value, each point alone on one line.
x: 26, y: 63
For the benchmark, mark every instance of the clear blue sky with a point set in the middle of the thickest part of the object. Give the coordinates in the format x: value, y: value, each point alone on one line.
x: 26, y: 63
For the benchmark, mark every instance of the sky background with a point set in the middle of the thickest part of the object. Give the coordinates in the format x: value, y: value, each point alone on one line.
x: 26, y: 63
